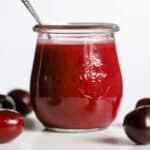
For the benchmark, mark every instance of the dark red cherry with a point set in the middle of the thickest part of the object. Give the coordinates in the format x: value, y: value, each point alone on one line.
x: 137, y: 125
x: 22, y: 101
x: 143, y: 102
x: 11, y: 125
x: 7, y: 102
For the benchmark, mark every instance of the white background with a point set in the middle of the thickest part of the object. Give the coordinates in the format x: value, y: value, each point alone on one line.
x: 17, y: 41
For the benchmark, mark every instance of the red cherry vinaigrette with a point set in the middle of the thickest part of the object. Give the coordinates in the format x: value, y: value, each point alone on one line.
x: 76, y: 82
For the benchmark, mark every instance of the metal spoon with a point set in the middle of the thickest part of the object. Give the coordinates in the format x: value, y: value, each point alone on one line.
x: 32, y: 11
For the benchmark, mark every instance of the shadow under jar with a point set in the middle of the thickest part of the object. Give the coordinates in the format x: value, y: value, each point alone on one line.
x: 76, y: 83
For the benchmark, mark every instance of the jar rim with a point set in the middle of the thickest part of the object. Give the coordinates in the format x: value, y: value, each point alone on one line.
x: 77, y: 28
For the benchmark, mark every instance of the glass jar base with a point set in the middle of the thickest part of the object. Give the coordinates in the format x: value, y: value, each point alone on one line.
x: 63, y: 130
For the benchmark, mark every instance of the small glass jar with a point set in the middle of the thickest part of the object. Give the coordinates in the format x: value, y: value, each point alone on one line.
x: 76, y: 83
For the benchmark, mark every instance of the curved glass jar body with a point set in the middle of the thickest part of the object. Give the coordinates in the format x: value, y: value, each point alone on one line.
x: 76, y: 80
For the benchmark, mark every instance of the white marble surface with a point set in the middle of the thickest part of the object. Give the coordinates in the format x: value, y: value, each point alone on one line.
x: 35, y: 138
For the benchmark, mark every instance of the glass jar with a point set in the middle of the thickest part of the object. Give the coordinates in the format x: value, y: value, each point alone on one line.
x: 76, y: 83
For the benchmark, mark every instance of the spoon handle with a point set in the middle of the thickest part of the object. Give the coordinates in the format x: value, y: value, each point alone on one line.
x: 32, y: 11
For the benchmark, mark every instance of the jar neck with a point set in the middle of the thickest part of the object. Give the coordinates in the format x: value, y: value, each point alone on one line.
x: 76, y: 37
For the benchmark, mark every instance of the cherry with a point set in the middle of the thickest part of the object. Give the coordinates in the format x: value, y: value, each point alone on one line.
x: 22, y: 101
x: 11, y: 125
x: 7, y: 102
x: 142, y: 102
x: 137, y: 125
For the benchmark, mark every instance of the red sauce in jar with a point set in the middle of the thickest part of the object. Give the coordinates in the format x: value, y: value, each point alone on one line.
x: 76, y: 85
